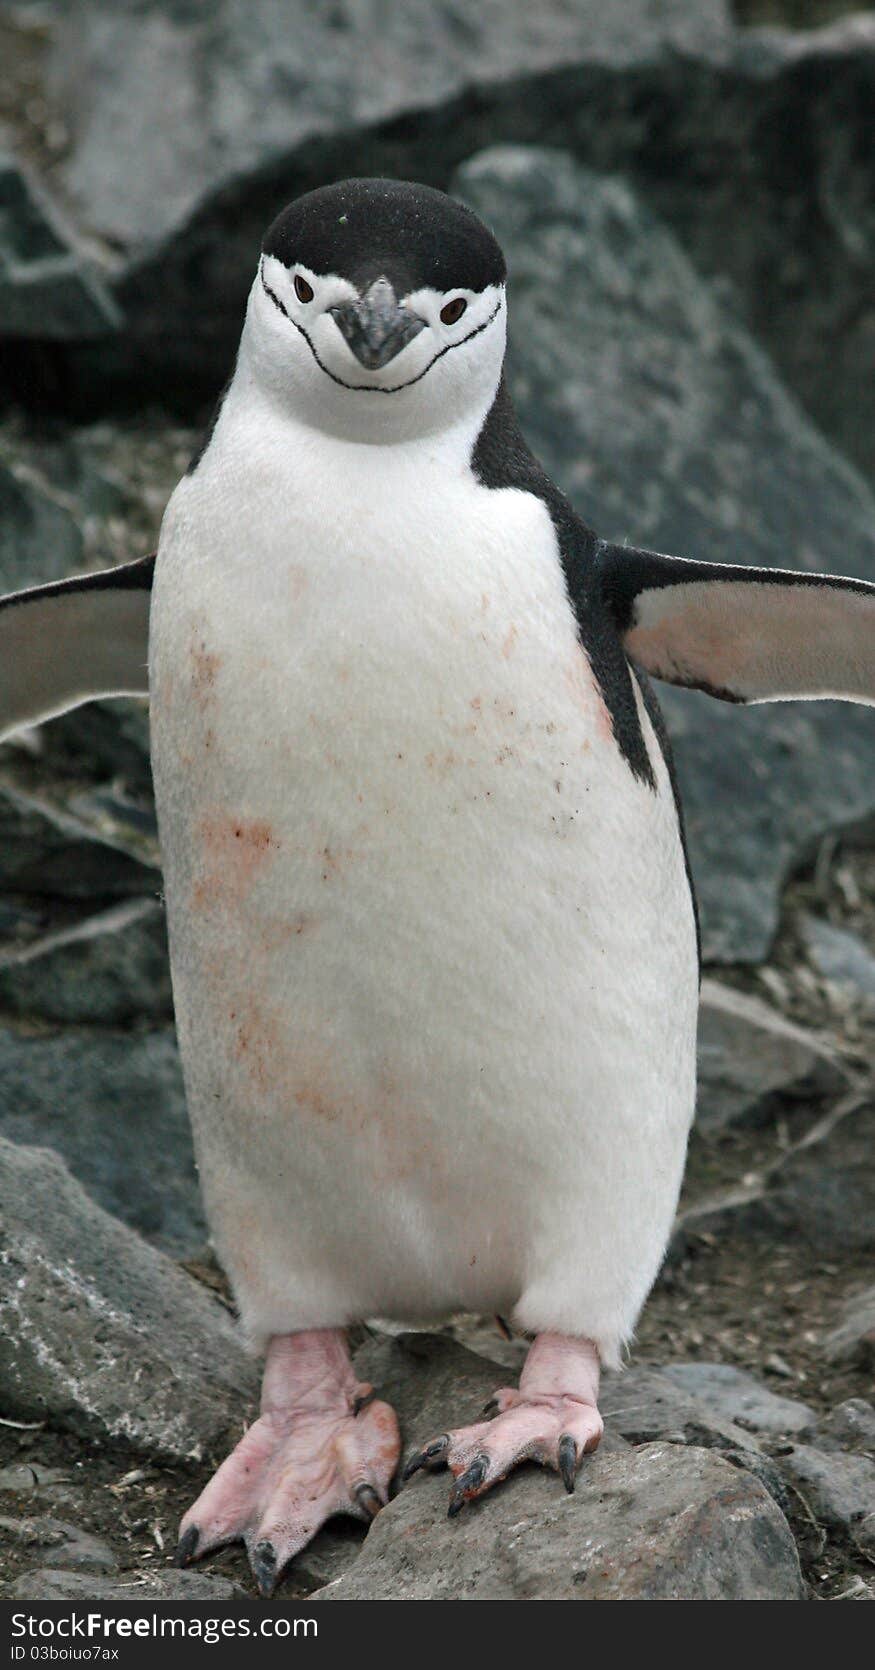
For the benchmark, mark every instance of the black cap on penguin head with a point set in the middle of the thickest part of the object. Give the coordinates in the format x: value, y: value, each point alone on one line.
x: 412, y: 235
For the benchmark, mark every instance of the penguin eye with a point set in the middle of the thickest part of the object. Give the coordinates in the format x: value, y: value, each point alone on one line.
x: 453, y: 311
x: 303, y: 290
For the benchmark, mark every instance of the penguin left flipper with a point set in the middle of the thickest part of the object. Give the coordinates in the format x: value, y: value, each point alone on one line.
x: 742, y: 634
x: 72, y: 641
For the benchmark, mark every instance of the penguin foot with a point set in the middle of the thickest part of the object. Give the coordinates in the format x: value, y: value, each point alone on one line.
x: 322, y: 1445
x: 552, y: 1418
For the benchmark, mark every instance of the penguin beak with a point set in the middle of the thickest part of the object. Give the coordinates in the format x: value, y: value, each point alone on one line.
x: 376, y: 327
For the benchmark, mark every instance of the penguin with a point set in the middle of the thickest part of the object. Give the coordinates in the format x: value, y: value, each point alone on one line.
x: 432, y: 931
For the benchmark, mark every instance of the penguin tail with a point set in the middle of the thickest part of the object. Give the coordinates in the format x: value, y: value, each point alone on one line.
x: 72, y: 641
x: 742, y: 634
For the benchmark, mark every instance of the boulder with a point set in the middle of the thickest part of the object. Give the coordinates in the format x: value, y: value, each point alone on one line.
x: 849, y: 1426
x: 100, y: 1334
x: 753, y: 146
x: 839, y: 1488
x: 47, y: 289
x: 69, y: 1548
x: 304, y: 75
x: 737, y: 1396
x: 39, y: 539
x: 655, y: 1523
x: 753, y: 1064
x: 852, y: 1340
x: 51, y: 850
x: 669, y: 1518
x: 112, y: 1104
x: 132, y: 1588
x: 668, y: 428
x: 109, y: 967
x: 839, y: 955
x: 821, y: 1191
x: 824, y: 1191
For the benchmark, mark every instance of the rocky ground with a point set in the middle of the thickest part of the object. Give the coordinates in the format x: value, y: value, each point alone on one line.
x: 686, y: 208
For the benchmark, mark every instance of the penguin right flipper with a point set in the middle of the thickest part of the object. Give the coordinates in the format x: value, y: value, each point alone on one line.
x: 742, y: 634
x: 72, y: 641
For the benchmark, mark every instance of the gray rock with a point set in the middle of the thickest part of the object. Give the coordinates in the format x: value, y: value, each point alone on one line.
x: 824, y: 1190
x: 71, y: 1548
x: 668, y: 427
x: 850, y: 1426
x: 112, y: 1104
x: 839, y: 1488
x: 49, y: 851
x: 39, y: 539
x: 101, y: 741
x: 101, y: 1334
x: 47, y: 289
x: 752, y: 1063
x: 863, y: 1533
x: 657, y: 1523
x: 737, y: 1396
x: 705, y: 123
x: 430, y: 1381
x: 300, y: 74
x: 852, y: 1341
x: 839, y: 955
x: 24, y: 1478
x: 47, y: 1584
x: 111, y: 967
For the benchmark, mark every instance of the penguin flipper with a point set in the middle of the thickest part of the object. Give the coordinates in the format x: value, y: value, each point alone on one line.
x: 742, y: 634
x: 73, y: 640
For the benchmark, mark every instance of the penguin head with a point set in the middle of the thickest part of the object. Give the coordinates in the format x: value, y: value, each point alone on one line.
x: 378, y: 311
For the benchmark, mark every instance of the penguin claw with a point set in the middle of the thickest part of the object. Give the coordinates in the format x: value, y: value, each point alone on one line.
x: 186, y: 1546
x: 368, y: 1500
x: 288, y: 1475
x: 264, y: 1567
x: 468, y: 1484
x: 567, y: 1454
x: 427, y: 1457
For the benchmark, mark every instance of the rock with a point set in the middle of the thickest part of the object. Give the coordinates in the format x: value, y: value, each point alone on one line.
x: 430, y: 1381
x: 644, y: 1404
x: 99, y: 741
x: 102, y: 1335
x: 839, y: 1488
x: 656, y: 1523
x: 39, y: 539
x: 850, y: 1426
x: 71, y: 1548
x: 111, y: 967
x: 703, y: 120
x: 131, y: 1587
x: 668, y: 427
x: 25, y: 1478
x: 752, y: 1063
x: 301, y: 75
x: 112, y: 1104
x: 46, y: 288
x: 863, y: 1533
x: 853, y: 1340
x: 839, y: 955
x: 737, y: 1396
x: 824, y: 1190
x: 48, y: 850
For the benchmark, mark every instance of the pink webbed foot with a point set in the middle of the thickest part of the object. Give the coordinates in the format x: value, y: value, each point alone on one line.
x: 552, y: 1418
x: 321, y: 1446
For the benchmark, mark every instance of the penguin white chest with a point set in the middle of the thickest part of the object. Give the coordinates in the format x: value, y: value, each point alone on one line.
x: 412, y: 889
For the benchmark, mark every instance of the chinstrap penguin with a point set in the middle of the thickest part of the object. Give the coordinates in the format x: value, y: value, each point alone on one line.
x: 432, y: 932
